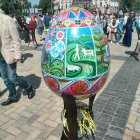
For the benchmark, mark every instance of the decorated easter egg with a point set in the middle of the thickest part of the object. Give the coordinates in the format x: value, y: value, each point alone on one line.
x: 75, y: 56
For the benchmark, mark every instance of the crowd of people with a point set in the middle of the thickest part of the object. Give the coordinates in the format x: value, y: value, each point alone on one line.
x: 29, y: 24
x: 117, y: 28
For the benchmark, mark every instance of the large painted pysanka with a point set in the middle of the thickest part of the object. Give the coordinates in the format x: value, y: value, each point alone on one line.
x: 76, y: 57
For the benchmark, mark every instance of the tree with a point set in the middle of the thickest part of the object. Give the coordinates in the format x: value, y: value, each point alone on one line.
x: 129, y: 5
x: 46, y: 5
x: 35, y: 6
x: 14, y: 6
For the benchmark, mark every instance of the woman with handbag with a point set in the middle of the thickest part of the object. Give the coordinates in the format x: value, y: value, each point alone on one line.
x: 10, y: 54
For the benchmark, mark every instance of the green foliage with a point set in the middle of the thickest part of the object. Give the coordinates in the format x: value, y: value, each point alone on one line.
x: 46, y: 5
x: 14, y: 6
x: 35, y: 6
x: 129, y: 5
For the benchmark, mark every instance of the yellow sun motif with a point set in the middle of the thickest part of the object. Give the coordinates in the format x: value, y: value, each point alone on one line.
x: 87, y: 21
x: 67, y: 23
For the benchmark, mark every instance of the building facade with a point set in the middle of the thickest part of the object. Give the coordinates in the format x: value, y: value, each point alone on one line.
x: 61, y: 4
x: 106, y: 6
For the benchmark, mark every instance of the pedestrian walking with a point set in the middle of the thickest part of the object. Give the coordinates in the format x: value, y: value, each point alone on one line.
x: 128, y: 31
x: 10, y: 54
x: 119, y: 32
x: 105, y: 24
x: 113, y: 26
x: 47, y: 19
x: 32, y: 27
x: 137, y: 24
x: 40, y: 26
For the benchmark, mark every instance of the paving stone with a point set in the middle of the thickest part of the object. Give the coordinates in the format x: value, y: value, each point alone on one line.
x: 119, y: 122
x: 20, y: 122
x: 51, y: 137
x: 97, y: 138
x: 123, y: 111
x: 107, y: 137
x: 10, y: 137
x: 51, y: 123
x: 102, y: 129
x: 108, y: 112
x: 43, y: 117
x: 15, y: 116
x: 132, y: 119
x: 13, y: 130
x: 39, y: 125
x: 138, y: 119
x: 22, y: 136
x: 129, y: 126
x: 99, y: 134
x: 32, y: 119
x: 116, y: 129
x: 105, y: 117
x: 20, y: 109
x: 33, y: 135
x: 27, y: 128
x: 127, y: 137
x: 137, y: 126
x: 3, y: 134
x: 45, y: 133
x: 132, y: 133
x: 8, y: 124
x: 4, y: 118
x: 9, y: 111
x: 54, y: 115
x: 58, y: 130
x: 114, y: 134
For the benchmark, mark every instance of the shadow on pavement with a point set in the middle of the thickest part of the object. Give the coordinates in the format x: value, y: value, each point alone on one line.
x: 112, y: 107
x: 34, y: 80
x: 3, y: 92
x: 129, y: 52
x: 25, y: 56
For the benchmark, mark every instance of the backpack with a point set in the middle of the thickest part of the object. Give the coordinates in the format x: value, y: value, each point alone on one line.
x: 32, y: 24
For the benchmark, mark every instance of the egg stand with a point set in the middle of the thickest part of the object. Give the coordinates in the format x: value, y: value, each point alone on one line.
x: 137, y: 49
x: 70, y: 118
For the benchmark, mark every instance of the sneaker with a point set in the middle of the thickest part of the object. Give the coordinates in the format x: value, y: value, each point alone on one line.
x: 31, y: 92
x: 8, y: 102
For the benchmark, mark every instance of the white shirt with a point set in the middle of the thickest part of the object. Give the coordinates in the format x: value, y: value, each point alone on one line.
x: 28, y: 20
x: 125, y: 20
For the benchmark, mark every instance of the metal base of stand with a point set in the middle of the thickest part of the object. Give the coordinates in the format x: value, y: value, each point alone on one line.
x: 136, y: 51
x: 77, y: 119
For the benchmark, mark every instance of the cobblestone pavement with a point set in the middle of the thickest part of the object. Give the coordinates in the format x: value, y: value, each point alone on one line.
x: 116, y: 109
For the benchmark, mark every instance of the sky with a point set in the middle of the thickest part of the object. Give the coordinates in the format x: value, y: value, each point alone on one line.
x: 34, y: 1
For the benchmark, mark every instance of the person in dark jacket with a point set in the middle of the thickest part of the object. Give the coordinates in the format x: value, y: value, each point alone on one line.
x: 128, y: 33
x: 47, y: 19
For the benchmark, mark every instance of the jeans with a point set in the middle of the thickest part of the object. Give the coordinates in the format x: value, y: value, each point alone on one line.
x: 11, y: 79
